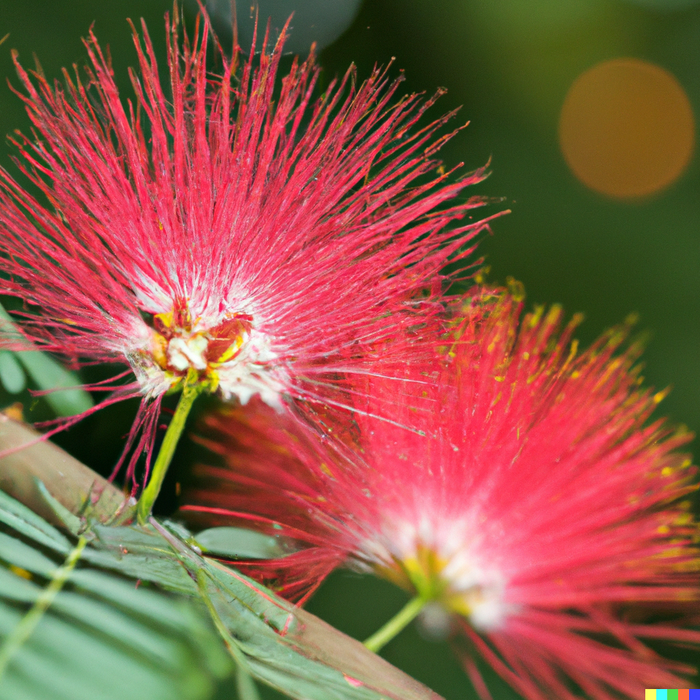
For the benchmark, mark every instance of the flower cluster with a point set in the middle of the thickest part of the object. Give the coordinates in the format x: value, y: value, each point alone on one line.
x: 232, y: 234
x: 540, y: 510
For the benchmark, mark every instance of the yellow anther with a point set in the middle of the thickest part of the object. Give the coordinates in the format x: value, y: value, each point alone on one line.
x: 229, y: 352
x: 659, y: 396
x: 516, y: 289
x: 572, y: 351
x: 166, y: 319
x: 534, y: 318
x: 553, y: 315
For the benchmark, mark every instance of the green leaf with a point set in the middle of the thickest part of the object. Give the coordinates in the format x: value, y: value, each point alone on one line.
x: 103, y: 638
x: 28, y: 523
x: 65, y: 659
x: 22, y: 556
x: 48, y: 375
x: 11, y: 374
x: 109, y: 637
x: 141, y: 554
x: 68, y: 399
x: 237, y: 543
x: 72, y: 522
x: 286, y: 647
x: 247, y: 690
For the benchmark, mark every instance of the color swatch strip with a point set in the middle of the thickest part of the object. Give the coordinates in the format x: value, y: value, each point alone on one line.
x: 666, y: 694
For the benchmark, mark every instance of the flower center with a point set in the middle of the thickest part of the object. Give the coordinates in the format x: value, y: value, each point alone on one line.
x: 455, y: 580
x: 232, y: 357
x: 180, y: 351
x: 178, y: 348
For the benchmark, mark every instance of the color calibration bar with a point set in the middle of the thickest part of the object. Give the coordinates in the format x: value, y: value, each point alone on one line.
x: 666, y: 694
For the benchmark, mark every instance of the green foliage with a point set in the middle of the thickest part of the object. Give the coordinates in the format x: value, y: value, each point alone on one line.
x: 65, y: 397
x: 235, y: 542
x: 106, y: 637
x: 103, y: 638
x: 11, y: 373
x: 48, y: 375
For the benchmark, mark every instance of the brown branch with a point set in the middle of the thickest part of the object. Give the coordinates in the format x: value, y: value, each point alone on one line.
x: 317, y: 639
x: 69, y: 481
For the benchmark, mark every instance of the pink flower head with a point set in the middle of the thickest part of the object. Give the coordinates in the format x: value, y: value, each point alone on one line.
x: 229, y: 230
x: 541, y: 510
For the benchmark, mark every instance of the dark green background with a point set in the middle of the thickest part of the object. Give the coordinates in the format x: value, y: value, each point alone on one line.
x: 509, y: 63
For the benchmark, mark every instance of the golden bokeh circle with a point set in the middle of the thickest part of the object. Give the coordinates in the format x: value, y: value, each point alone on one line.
x: 626, y: 128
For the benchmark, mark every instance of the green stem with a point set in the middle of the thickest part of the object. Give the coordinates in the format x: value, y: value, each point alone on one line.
x: 28, y: 623
x: 396, y: 624
x: 167, y: 450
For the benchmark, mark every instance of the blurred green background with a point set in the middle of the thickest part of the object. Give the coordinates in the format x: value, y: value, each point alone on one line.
x: 510, y: 64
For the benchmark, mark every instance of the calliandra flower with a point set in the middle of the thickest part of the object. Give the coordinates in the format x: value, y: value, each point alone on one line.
x: 541, y: 509
x: 228, y: 232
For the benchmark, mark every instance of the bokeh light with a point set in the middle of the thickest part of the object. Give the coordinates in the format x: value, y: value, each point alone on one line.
x: 626, y: 128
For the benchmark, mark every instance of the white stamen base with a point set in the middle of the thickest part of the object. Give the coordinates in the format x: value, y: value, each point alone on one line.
x: 252, y: 371
x: 482, y: 588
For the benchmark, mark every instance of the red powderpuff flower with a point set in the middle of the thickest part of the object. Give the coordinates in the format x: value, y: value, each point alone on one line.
x: 541, y: 510
x: 229, y: 232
